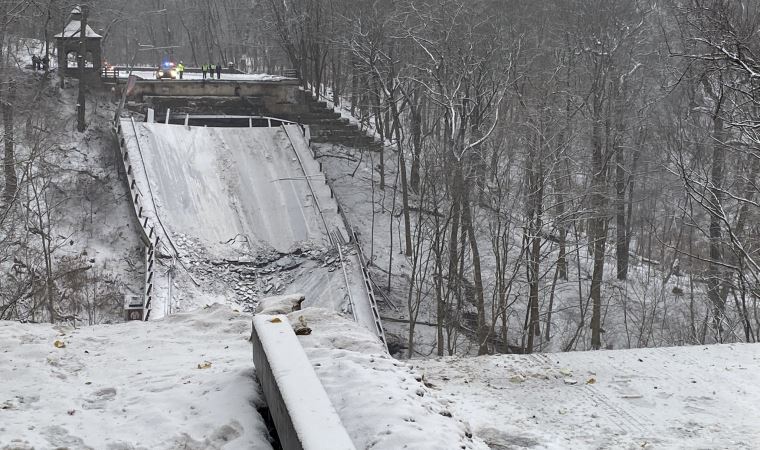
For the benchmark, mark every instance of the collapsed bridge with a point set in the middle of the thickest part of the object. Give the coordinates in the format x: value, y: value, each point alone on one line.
x: 237, y: 190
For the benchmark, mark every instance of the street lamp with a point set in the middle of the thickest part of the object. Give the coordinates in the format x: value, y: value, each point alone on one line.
x: 129, y: 78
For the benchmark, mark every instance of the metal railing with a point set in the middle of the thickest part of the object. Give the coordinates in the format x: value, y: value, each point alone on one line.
x: 368, y: 287
x: 147, y: 230
x: 311, y: 188
x: 109, y: 73
x: 352, y: 239
x: 270, y: 121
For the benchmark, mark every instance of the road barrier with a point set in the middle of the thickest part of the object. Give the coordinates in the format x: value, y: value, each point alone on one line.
x: 302, y: 413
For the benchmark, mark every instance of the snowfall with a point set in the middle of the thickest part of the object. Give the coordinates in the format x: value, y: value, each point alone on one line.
x: 187, y: 380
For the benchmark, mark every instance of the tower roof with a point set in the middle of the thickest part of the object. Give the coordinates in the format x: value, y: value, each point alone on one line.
x: 72, y: 30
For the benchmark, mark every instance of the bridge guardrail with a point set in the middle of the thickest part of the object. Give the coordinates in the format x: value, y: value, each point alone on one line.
x: 109, y: 73
x: 147, y: 231
x: 353, y: 239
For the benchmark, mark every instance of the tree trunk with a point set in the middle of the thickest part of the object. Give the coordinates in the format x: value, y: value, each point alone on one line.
x: 483, y: 329
x: 559, y: 185
x: 535, y: 211
x: 621, y: 229
x: 631, y: 185
x: 598, y: 223
x: 716, y: 201
x: 439, y: 298
x: 9, y: 159
x: 452, y: 287
x: 376, y: 99
x: 415, y: 117
x: 405, y: 203
x: 404, y: 183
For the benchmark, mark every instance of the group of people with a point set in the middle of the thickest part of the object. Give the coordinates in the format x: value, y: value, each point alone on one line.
x: 210, y: 69
x: 39, y: 63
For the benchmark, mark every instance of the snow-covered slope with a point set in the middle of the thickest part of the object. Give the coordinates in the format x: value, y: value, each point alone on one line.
x: 683, y: 397
x: 186, y: 381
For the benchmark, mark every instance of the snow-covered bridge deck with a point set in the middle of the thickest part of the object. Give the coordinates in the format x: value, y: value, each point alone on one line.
x: 219, y: 183
x: 259, y: 187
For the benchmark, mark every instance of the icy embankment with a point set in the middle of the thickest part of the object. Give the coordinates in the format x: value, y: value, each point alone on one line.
x: 186, y: 381
x: 682, y: 397
x: 383, y: 403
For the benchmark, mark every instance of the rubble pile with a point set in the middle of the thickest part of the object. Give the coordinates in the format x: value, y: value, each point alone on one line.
x: 246, y: 275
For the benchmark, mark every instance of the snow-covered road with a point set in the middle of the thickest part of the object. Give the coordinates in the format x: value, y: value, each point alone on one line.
x: 151, y: 75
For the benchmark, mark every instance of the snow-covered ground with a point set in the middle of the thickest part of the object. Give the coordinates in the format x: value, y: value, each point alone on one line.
x: 186, y: 381
x: 665, y: 398
x: 383, y: 403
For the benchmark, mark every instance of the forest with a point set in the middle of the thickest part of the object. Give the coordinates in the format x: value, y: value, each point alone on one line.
x: 561, y: 175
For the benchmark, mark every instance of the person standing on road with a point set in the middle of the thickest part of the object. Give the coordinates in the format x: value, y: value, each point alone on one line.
x: 181, y: 69
x: 211, y: 69
x: 218, y: 71
x: 204, y: 69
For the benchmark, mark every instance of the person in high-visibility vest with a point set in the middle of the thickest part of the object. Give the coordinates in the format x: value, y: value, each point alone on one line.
x: 180, y: 69
x: 211, y: 70
x: 204, y: 68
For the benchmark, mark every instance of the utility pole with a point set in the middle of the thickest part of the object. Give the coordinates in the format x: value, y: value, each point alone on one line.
x: 81, y: 63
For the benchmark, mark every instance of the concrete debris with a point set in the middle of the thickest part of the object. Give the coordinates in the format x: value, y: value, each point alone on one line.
x: 248, y: 277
